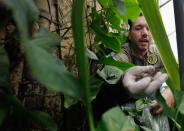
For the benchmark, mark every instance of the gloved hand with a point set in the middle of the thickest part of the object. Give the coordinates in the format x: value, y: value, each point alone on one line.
x: 140, y: 81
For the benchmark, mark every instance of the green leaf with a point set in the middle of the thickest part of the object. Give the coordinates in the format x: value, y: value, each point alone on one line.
x: 110, y: 74
x: 120, y: 5
x: 25, y: 13
x: 181, y: 107
x: 106, y: 3
x: 95, y: 85
x: 4, y: 70
x: 132, y: 9
x: 140, y: 105
x: 119, y: 64
x: 113, y: 18
x: 91, y: 54
x: 99, y: 27
x: 152, y: 15
x: 45, y: 68
x: 39, y: 39
x: 69, y: 101
x: 114, y: 120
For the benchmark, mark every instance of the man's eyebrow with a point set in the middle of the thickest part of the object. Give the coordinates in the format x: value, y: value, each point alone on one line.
x: 138, y: 25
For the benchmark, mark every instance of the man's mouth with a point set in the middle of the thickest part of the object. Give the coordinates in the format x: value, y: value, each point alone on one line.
x: 143, y: 40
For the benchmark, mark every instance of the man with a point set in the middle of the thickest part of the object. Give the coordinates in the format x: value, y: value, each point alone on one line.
x: 143, y: 80
x: 139, y: 81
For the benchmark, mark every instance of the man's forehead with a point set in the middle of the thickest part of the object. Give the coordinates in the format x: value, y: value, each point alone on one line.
x: 140, y: 21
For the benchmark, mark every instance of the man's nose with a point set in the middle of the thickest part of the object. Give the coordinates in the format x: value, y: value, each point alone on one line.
x: 145, y: 32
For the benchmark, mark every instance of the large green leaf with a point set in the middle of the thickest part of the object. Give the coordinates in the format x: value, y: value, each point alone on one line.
x: 25, y: 13
x: 45, y: 68
x: 100, y: 29
x: 132, y: 9
x: 39, y: 39
x: 106, y: 3
x: 113, y: 18
x: 95, y: 85
x: 152, y: 15
x: 181, y: 107
x: 114, y: 120
x: 110, y: 74
x: 119, y: 64
x: 120, y: 5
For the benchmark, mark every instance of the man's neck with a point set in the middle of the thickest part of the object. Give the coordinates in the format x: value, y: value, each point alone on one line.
x: 139, y: 52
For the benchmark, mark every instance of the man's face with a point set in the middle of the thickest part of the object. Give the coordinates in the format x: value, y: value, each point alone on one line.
x: 140, y: 35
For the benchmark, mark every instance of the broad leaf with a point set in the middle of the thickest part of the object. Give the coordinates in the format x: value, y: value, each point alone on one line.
x: 114, y: 120
x: 119, y: 64
x: 69, y: 101
x: 181, y: 107
x: 113, y: 18
x: 95, y: 85
x: 25, y: 13
x: 132, y: 9
x: 40, y: 39
x: 120, y: 5
x: 110, y: 74
x: 100, y: 29
x: 46, y: 70
x: 91, y: 54
x: 152, y: 15
x: 106, y: 3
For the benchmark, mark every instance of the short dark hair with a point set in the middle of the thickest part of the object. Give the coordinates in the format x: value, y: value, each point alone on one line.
x: 130, y: 22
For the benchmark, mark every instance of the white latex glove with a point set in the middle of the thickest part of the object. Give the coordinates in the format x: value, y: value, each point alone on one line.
x: 140, y: 82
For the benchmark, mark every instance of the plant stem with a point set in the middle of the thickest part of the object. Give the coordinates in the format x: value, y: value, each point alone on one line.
x: 82, y: 62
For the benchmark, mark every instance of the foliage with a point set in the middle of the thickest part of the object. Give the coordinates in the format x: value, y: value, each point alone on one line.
x: 114, y: 120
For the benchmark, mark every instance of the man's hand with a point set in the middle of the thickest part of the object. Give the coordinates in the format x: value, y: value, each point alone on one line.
x: 140, y: 81
x: 169, y: 98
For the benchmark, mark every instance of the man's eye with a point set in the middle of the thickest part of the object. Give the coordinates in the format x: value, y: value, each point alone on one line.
x: 138, y: 28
